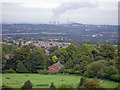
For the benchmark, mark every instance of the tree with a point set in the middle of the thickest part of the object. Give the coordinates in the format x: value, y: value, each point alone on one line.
x: 71, y: 49
x: 95, y: 69
x: 52, y: 49
x: 110, y: 71
x: 36, y: 60
x: 22, y: 54
x: 10, y: 64
x: 62, y: 55
x: 107, y: 51
x: 9, y: 49
x: 54, y: 59
x: 83, y: 66
x: 20, y: 43
x: 97, y: 58
x: 21, y: 67
x: 32, y: 46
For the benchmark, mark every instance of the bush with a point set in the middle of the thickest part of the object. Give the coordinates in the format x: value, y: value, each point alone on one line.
x: 110, y: 71
x: 91, y: 84
x: 27, y: 85
x: 43, y: 72
x: 52, y: 86
x: 9, y: 71
x: 115, y: 77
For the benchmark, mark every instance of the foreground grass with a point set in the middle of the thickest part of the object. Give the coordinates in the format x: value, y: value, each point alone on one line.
x: 43, y: 81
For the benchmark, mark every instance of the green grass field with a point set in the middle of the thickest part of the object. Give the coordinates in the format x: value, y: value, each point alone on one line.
x: 17, y: 80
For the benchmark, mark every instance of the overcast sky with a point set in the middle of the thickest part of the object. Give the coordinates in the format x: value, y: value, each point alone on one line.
x: 44, y: 11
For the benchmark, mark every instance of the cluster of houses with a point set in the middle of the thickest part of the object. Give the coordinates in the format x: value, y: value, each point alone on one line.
x: 48, y: 45
x: 41, y: 44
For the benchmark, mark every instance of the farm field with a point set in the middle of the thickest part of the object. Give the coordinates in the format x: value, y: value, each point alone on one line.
x: 43, y: 81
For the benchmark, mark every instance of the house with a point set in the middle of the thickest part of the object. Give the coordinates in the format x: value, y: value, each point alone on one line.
x: 55, y: 67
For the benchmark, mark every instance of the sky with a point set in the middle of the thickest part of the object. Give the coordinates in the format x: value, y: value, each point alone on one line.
x: 62, y: 11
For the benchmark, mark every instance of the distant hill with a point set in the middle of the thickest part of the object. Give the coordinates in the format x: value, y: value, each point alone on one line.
x: 72, y: 31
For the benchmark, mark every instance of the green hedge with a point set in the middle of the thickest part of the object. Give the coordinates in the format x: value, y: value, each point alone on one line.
x: 77, y: 72
x: 71, y: 71
x: 115, y: 77
x: 43, y: 72
x: 9, y: 71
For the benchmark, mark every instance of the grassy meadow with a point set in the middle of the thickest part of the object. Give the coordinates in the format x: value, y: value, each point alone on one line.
x: 43, y: 81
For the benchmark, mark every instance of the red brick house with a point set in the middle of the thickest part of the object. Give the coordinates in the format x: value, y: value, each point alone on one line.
x: 55, y: 67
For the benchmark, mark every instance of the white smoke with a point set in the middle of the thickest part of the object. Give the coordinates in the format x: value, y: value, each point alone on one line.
x: 64, y: 7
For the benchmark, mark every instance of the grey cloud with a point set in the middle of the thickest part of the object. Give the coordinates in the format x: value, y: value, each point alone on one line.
x: 64, y: 7
x: 16, y: 12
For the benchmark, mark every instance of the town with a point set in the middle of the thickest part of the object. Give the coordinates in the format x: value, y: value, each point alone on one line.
x: 37, y: 43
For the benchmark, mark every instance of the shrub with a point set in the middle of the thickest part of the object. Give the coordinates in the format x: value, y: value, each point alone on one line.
x: 52, y: 86
x: 91, y: 84
x: 9, y: 71
x: 115, y: 77
x: 110, y: 71
x: 43, y: 72
x: 27, y: 85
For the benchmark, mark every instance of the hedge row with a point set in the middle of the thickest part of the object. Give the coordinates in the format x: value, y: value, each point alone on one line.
x: 115, y: 77
x: 71, y: 71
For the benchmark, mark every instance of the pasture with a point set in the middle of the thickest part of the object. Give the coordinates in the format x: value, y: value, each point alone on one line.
x: 16, y: 80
